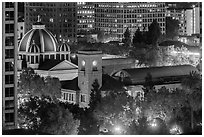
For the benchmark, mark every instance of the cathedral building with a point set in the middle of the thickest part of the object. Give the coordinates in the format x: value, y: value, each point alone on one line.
x: 40, y: 50
x: 39, y: 45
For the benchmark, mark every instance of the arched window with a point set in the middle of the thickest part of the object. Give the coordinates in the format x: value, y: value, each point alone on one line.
x: 32, y: 59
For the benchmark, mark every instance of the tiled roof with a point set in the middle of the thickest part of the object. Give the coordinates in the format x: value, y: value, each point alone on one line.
x: 70, y: 84
x: 108, y: 83
x: 138, y: 75
x: 48, y: 64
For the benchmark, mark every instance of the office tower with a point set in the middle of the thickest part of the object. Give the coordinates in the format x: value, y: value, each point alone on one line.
x: 59, y: 17
x: 85, y: 16
x: 9, y: 65
x: 193, y: 20
x: 114, y: 17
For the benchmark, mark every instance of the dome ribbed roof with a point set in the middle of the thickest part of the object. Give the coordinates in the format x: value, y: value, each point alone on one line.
x: 64, y: 47
x: 42, y: 37
x: 34, y: 48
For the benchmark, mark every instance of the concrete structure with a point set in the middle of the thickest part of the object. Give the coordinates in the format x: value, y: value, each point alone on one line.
x: 114, y: 17
x: 59, y: 17
x: 9, y: 65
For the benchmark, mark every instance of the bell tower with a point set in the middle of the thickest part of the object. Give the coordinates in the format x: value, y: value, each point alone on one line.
x: 89, y: 69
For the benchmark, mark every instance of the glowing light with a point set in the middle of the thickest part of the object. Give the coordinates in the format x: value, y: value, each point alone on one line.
x: 153, y: 123
x: 74, y: 56
x: 94, y: 63
x: 117, y: 129
x: 83, y: 63
x: 176, y: 130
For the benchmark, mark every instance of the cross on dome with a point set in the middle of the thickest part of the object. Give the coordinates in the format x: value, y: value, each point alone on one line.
x: 63, y: 41
x: 38, y: 18
x: 33, y: 42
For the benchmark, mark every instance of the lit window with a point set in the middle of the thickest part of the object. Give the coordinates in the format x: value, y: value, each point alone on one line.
x: 51, y: 20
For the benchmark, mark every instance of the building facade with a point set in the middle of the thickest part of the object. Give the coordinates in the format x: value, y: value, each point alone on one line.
x: 193, y: 20
x: 115, y: 17
x: 178, y: 14
x: 85, y: 16
x: 59, y: 17
x: 9, y: 65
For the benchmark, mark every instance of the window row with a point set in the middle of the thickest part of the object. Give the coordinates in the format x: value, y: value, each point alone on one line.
x: 9, y: 66
x: 9, y: 79
x: 71, y: 97
x: 9, y: 15
x: 9, y: 41
x: 9, y: 92
x: 9, y: 53
x: 9, y: 104
x: 9, y: 117
x: 9, y: 28
x: 9, y: 4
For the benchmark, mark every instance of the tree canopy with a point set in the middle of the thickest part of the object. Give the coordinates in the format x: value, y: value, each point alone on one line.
x: 32, y: 84
x: 153, y: 33
x: 42, y: 115
x: 172, y: 27
x: 127, y: 37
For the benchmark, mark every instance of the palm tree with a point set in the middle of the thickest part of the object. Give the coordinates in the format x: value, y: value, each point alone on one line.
x: 192, y: 84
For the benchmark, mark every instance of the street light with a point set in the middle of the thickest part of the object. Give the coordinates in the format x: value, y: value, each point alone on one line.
x: 117, y: 129
x: 153, y: 123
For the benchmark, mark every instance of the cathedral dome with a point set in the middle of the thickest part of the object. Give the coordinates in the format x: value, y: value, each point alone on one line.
x: 42, y: 37
x: 64, y: 47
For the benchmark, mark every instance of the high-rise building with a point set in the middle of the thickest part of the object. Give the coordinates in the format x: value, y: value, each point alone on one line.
x: 59, y: 17
x: 193, y: 22
x: 9, y: 65
x: 85, y: 16
x: 114, y: 17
